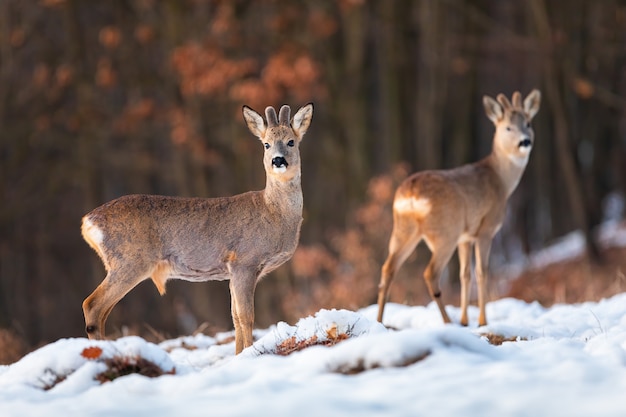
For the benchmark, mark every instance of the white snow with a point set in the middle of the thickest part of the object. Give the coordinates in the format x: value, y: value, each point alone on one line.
x: 567, y: 360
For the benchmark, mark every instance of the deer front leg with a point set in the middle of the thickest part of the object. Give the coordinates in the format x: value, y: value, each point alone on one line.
x: 242, y: 307
x: 101, y: 301
x: 483, y: 247
x: 236, y: 323
x: 465, y: 255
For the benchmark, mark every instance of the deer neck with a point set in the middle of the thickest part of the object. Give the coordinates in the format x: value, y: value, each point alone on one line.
x: 508, y: 167
x: 284, y: 196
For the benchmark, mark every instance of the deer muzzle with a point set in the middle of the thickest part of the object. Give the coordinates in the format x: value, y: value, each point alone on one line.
x: 279, y: 162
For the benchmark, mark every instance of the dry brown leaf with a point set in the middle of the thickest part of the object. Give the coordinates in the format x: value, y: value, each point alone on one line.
x: 91, y: 353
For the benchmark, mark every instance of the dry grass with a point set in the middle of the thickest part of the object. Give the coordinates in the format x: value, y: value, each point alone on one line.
x: 291, y: 345
x: 116, y: 366
x: 56, y: 379
x: 498, y: 339
x: 332, y: 338
x: 228, y: 340
x: 574, y: 280
x: 122, y: 365
x: 119, y: 366
x: 12, y: 346
x: 360, y: 366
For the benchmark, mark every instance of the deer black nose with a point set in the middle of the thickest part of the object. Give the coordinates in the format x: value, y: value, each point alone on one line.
x: 279, y: 161
x: 525, y: 143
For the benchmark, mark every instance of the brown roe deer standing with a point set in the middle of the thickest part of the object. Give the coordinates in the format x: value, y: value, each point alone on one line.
x: 462, y: 207
x: 239, y: 238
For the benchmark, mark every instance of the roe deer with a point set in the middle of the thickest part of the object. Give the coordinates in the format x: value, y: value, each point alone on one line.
x: 462, y: 207
x: 240, y: 238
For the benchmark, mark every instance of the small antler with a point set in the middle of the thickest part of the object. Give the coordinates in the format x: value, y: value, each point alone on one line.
x: 270, y: 115
x: 517, y: 100
x: 284, y: 114
x: 504, y: 102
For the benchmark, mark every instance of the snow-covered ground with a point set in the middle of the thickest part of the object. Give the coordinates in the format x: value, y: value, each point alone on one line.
x: 567, y: 360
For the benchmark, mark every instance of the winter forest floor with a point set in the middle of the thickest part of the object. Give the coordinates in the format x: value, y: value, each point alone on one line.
x: 561, y: 273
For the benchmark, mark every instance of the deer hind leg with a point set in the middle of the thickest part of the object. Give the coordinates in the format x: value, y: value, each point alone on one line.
x: 483, y: 247
x: 465, y: 259
x: 439, y: 259
x: 404, y: 239
x: 242, y: 308
x: 111, y: 290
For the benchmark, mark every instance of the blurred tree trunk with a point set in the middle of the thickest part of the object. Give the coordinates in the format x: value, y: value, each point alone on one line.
x: 6, y: 252
x: 600, y: 68
x: 389, y: 49
x: 431, y: 82
x: 5, y: 57
x: 462, y: 92
x: 88, y: 141
x: 554, y: 98
x: 350, y: 102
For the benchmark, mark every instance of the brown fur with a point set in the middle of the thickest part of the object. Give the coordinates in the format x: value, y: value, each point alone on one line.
x: 462, y: 207
x: 239, y: 238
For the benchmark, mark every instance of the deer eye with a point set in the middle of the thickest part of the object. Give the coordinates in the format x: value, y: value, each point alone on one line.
x: 267, y: 145
x: 508, y: 128
x: 528, y: 124
x: 290, y: 143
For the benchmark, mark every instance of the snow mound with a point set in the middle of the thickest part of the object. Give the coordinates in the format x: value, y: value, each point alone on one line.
x: 326, y: 326
x: 69, y: 366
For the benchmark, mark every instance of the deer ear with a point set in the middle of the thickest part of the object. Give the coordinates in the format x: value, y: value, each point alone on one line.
x: 254, y: 121
x: 302, y: 119
x: 531, y: 103
x: 493, y: 109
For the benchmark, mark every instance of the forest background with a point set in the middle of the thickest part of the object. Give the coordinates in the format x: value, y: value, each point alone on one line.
x: 101, y: 99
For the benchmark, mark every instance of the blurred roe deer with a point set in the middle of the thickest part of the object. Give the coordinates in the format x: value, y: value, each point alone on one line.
x: 462, y: 207
x: 239, y: 238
